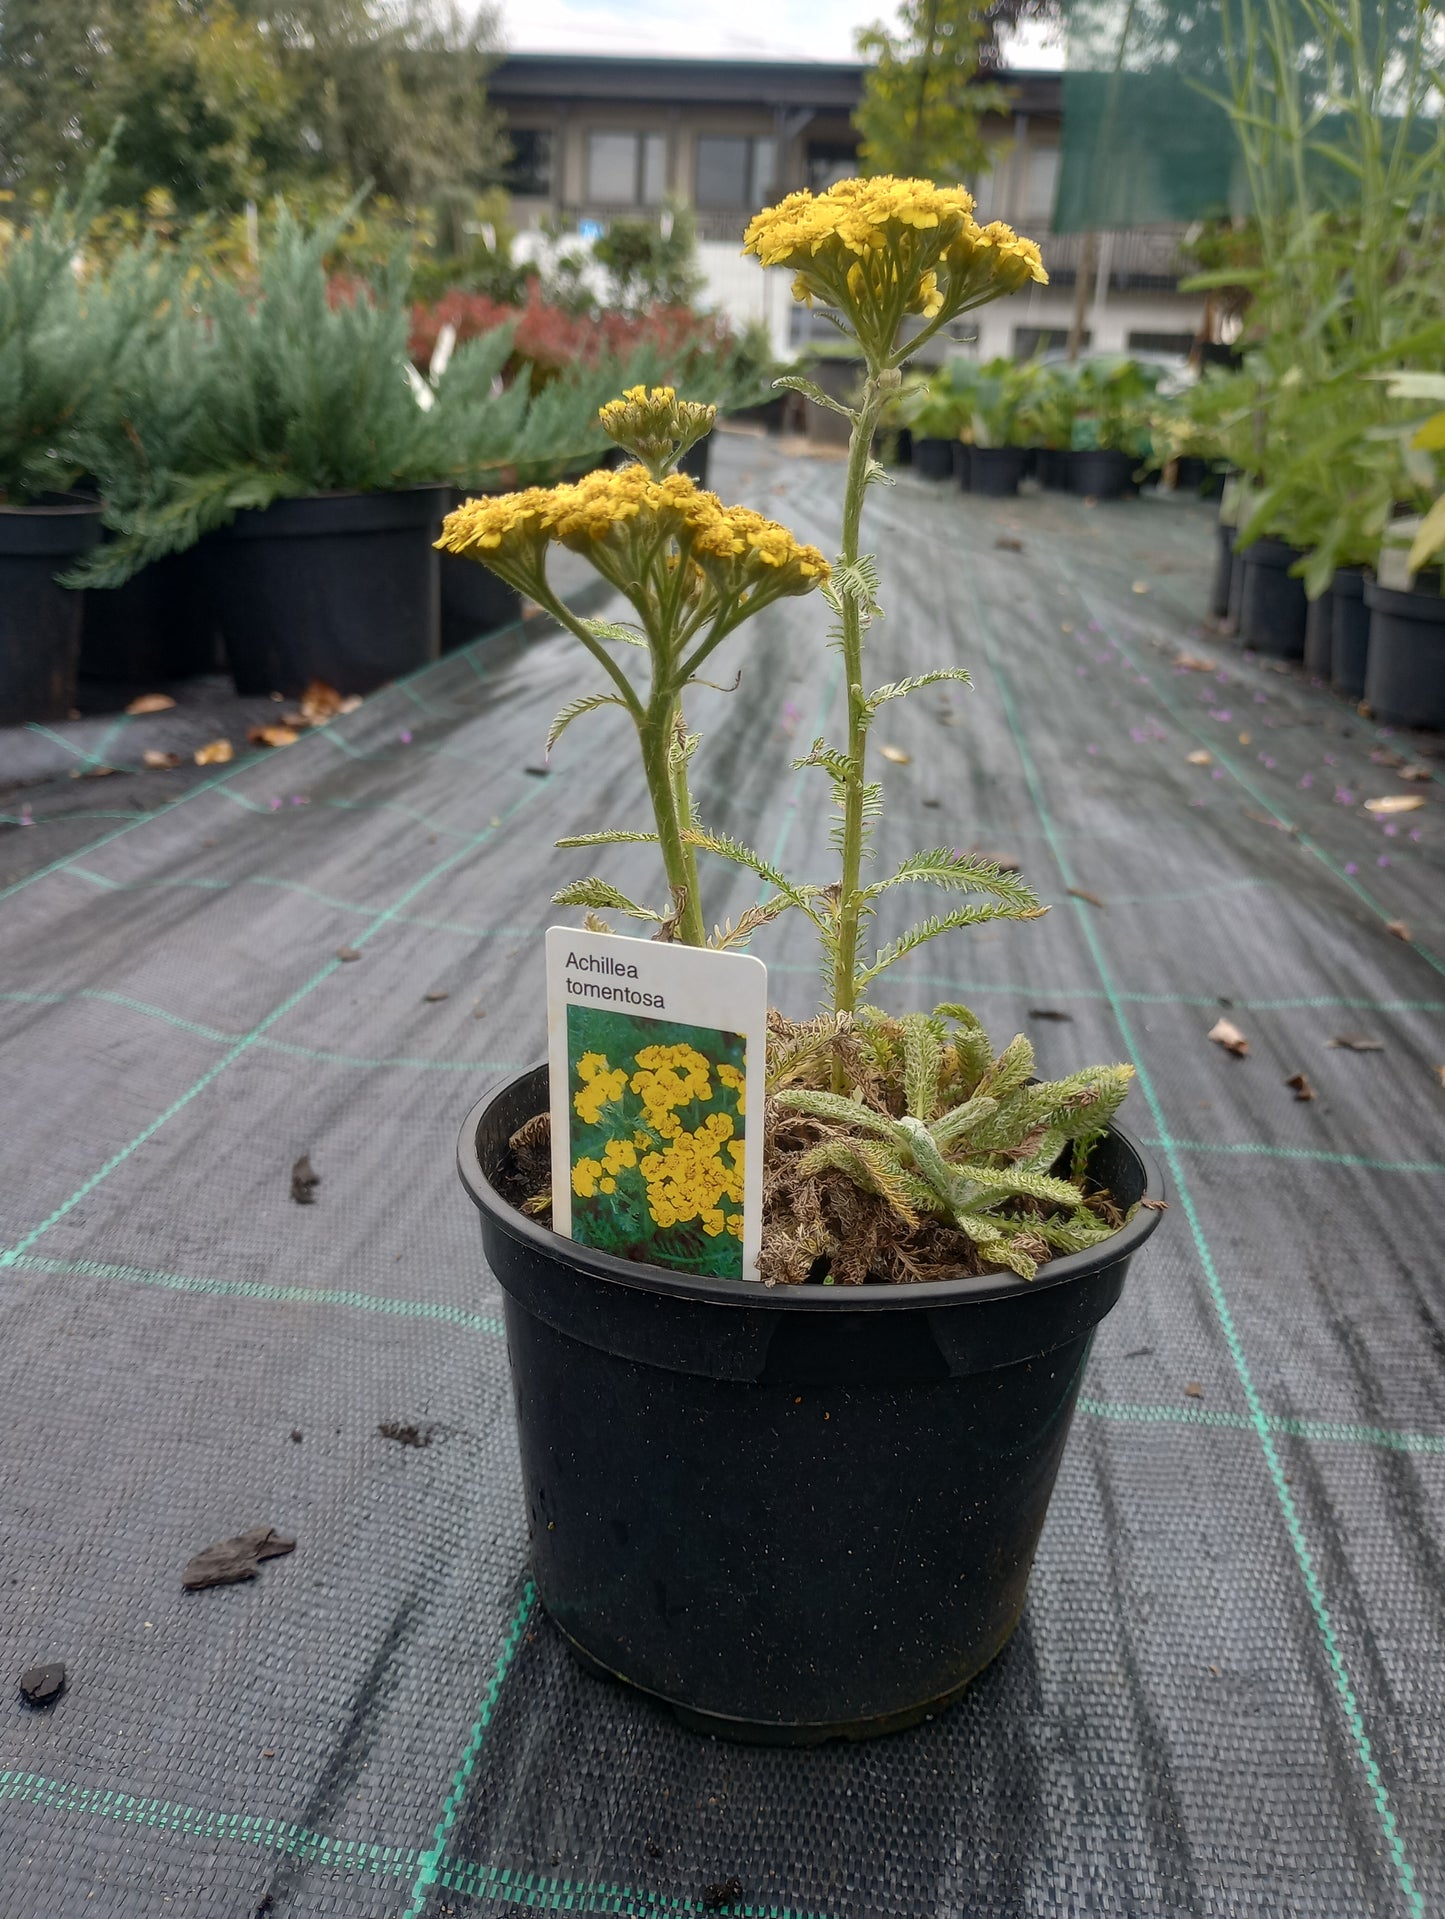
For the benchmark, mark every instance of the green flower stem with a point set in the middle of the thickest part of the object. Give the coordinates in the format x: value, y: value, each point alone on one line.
x: 655, y: 733
x: 682, y: 807
x: 860, y: 446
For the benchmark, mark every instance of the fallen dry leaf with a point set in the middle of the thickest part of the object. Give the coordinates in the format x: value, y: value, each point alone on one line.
x: 319, y: 703
x: 91, y: 772
x: 150, y: 703
x: 304, y: 1181
x: 1194, y: 662
x: 1301, y: 1085
x: 1193, y: 1389
x: 897, y: 755
x: 1419, y: 771
x: 1152, y: 1206
x: 1245, y: 738
x: 216, y: 753
x: 1395, y: 803
x: 1048, y: 1012
x: 1399, y: 928
x: 1078, y: 893
x: 347, y: 953
x: 1386, y: 756
x: 1441, y: 1071
x: 1226, y: 1034
x: 1139, y: 586
x: 1009, y: 546
x: 437, y: 993
x: 1200, y: 758
x: 154, y: 758
x: 231, y: 1560
x: 1358, y: 1043
x: 272, y: 735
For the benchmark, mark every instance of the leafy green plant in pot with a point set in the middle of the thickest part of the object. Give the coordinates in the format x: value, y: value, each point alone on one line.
x: 1111, y: 427
x: 941, y: 1233
x: 61, y: 339
x: 934, y: 408
x: 999, y: 429
x: 1048, y: 407
x: 1405, y: 675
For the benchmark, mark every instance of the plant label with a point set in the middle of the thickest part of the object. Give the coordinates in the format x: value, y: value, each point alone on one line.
x: 657, y: 1062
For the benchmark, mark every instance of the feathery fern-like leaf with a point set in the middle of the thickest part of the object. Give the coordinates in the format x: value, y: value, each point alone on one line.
x: 574, y: 709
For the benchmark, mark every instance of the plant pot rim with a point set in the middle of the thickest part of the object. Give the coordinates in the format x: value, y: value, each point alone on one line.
x: 72, y: 509
x: 752, y: 1294
x: 1414, y: 603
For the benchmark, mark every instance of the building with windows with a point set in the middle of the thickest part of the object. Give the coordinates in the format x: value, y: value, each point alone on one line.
x: 595, y: 137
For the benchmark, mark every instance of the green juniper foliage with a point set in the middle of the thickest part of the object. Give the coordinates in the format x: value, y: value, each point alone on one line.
x: 304, y: 386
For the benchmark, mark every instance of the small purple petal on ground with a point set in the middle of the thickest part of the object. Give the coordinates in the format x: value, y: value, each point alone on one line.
x: 1351, y: 867
x: 1343, y: 796
x: 1308, y: 781
x: 1091, y: 749
x: 1330, y: 760
x: 1082, y: 671
x: 1415, y: 834
x: 1221, y: 713
x: 25, y: 816
x: 1218, y: 773
x: 1095, y: 626
x: 1259, y: 699
x: 275, y: 802
x: 404, y: 737
x: 1391, y: 830
x: 1383, y: 860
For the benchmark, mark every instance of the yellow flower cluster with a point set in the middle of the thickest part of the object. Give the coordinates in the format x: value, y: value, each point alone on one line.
x: 668, y: 1077
x: 691, y: 1177
x: 738, y: 548
x: 881, y: 248
x: 601, y: 1084
x: 656, y: 426
x: 735, y: 1078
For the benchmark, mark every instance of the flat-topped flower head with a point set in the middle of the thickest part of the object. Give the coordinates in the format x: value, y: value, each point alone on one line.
x: 655, y: 426
x: 626, y: 523
x: 878, y: 250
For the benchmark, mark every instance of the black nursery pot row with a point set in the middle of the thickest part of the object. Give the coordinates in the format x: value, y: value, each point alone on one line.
x: 995, y: 471
x: 347, y: 588
x: 1370, y: 642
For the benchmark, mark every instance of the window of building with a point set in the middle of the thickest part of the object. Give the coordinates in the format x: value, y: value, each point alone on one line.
x: 627, y: 169
x: 1041, y: 179
x: 830, y: 161
x: 1029, y: 340
x: 529, y: 171
x: 1180, y: 343
x: 735, y: 170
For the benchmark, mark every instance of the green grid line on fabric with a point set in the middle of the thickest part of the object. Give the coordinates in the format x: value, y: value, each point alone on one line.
x: 1186, y: 721
x: 266, y: 1041
x: 431, y: 1860
x: 1303, y: 1002
x: 1340, y: 1432
x: 1339, y: 1671
x: 277, y: 1835
x: 218, y: 781
x: 9, y: 1254
x: 541, y: 1893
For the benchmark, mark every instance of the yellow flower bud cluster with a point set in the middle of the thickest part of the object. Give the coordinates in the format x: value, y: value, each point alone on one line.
x: 612, y: 517
x: 655, y: 426
x: 879, y: 249
x: 693, y: 1175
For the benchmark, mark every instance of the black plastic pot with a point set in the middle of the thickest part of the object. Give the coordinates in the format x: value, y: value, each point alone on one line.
x: 935, y: 459
x: 1223, y: 570
x: 1319, y: 635
x: 995, y: 471
x: 1405, y: 676
x: 473, y: 600
x: 795, y: 1513
x: 40, y: 621
x: 1349, y: 632
x: 1102, y: 473
x: 161, y: 625
x: 1190, y: 473
x: 342, y: 587
x: 1053, y: 466
x: 1273, y: 604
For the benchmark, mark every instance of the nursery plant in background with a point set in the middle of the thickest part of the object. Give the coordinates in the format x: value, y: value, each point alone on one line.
x: 63, y: 340
x: 933, y: 1217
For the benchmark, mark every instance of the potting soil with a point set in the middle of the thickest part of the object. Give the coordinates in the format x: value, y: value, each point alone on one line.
x: 1227, y: 1694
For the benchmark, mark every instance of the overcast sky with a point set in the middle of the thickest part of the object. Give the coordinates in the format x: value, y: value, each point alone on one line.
x: 739, y: 29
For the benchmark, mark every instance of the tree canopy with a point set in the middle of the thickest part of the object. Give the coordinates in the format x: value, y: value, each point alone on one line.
x: 228, y: 100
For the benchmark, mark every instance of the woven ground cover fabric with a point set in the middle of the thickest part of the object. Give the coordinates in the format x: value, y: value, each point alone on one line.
x: 1227, y: 1695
